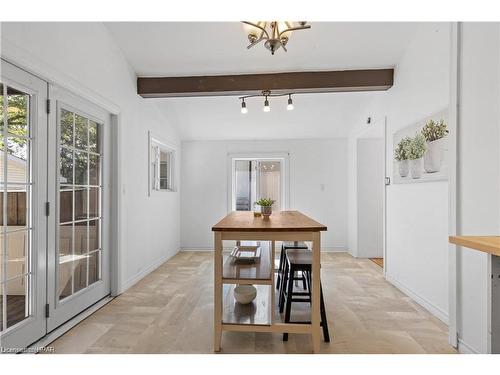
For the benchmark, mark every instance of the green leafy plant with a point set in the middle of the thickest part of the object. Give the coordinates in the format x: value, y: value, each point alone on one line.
x: 265, y: 202
x: 417, y: 147
x: 434, y: 130
x: 401, y: 150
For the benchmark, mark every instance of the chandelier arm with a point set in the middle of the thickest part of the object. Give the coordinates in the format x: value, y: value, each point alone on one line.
x: 255, y: 43
x: 294, y: 29
x: 257, y: 26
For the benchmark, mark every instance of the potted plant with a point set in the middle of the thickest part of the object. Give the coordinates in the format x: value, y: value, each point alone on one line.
x: 401, y: 155
x: 433, y: 133
x: 266, y: 206
x: 416, y: 151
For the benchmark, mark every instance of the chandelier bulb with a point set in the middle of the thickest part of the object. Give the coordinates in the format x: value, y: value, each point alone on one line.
x: 244, y: 107
x: 266, y: 105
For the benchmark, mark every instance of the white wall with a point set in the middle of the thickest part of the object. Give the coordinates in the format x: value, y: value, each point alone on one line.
x: 478, y: 175
x: 83, y: 57
x: 370, y: 191
x: 313, y: 163
x: 417, y: 214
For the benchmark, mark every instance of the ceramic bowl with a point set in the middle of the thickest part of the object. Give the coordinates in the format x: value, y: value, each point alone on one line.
x: 245, y: 294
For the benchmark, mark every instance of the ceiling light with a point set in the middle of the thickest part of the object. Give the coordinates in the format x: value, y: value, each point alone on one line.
x: 289, y: 106
x: 275, y: 33
x: 266, y: 105
x: 244, y: 107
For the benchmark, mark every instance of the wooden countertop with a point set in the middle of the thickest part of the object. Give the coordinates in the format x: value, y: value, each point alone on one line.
x: 487, y: 244
x: 283, y: 221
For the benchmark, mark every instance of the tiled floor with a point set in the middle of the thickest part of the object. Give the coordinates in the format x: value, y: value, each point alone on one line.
x: 171, y: 311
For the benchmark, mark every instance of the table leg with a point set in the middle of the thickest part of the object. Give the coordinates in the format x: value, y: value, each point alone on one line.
x: 315, y: 308
x: 217, y: 290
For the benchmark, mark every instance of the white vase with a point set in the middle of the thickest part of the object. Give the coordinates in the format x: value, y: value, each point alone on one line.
x: 416, y: 168
x: 433, y: 157
x: 403, y: 168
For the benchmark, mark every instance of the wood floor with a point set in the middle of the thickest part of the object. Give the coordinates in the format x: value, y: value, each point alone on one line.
x: 171, y: 311
x: 378, y: 261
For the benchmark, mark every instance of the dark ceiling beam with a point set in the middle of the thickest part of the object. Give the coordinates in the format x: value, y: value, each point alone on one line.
x: 249, y: 84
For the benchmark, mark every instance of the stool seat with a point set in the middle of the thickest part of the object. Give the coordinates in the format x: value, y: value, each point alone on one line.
x: 299, y: 257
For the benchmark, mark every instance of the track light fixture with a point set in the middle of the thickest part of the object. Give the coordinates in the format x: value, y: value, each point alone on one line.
x: 266, y: 94
x: 266, y: 105
x: 289, y: 106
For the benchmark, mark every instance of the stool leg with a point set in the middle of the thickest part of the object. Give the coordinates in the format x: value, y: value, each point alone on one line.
x: 324, y: 322
x: 281, y: 266
x: 283, y: 286
x: 288, y: 301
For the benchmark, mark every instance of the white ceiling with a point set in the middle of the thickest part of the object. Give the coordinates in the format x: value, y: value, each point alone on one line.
x: 199, y: 48
x: 196, y: 48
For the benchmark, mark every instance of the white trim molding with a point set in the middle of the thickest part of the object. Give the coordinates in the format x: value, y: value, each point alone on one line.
x: 426, y: 304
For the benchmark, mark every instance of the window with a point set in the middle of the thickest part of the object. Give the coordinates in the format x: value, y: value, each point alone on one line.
x: 161, y: 166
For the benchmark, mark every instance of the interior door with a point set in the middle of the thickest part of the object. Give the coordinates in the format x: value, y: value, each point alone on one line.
x: 254, y: 179
x: 23, y: 177
x: 79, y: 186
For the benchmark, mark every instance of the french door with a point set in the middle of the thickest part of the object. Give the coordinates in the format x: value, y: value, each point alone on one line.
x: 23, y: 184
x: 78, y: 189
x: 54, y: 206
x: 256, y: 178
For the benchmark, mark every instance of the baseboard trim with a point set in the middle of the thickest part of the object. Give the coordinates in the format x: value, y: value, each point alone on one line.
x: 146, y: 271
x: 434, y: 310
x: 326, y: 249
x: 464, y: 348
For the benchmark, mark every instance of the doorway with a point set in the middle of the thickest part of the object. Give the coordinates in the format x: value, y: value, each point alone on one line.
x: 254, y: 178
x: 54, y: 206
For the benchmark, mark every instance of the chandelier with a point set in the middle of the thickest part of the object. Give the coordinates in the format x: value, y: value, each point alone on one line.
x: 275, y: 33
x: 266, y: 94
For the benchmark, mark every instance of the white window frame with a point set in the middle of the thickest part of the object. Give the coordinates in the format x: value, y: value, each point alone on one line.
x: 154, y: 170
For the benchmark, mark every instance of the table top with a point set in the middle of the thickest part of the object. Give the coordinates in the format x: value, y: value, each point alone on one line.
x: 487, y: 244
x: 282, y: 221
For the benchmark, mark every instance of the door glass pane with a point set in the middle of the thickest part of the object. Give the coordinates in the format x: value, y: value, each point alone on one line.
x: 66, y: 128
x: 15, y: 207
x: 17, y: 291
x: 93, y: 137
x: 245, y: 185
x: 270, y: 182
x: 1, y: 111
x: 17, y: 164
x: 66, y: 204
x: 94, y: 268
x: 81, y: 168
x: 81, y: 133
x: 94, y: 170
x: 79, y: 202
x: 93, y: 203
x: 94, y: 235
x: 18, y: 112
x: 81, y: 231
x: 80, y: 272
x: 66, y: 166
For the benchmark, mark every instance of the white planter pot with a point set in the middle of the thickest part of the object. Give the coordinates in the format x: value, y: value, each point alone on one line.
x: 403, y: 168
x: 433, y: 156
x: 416, y: 168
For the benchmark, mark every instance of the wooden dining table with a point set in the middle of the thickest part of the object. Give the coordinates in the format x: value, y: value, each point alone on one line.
x: 260, y: 316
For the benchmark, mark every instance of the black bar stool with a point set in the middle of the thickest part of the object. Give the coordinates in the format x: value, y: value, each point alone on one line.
x: 284, y: 247
x: 301, y: 260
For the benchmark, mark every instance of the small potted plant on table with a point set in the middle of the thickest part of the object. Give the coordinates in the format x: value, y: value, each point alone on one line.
x: 266, y: 206
x: 434, y: 132
x: 416, y: 151
x: 401, y: 155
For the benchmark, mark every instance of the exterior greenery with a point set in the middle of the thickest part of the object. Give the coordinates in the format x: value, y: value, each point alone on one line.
x: 433, y: 130
x: 401, y: 150
x: 265, y: 202
x: 417, y: 147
